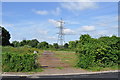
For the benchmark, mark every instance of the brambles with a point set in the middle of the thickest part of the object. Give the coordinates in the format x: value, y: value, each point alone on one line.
x: 102, y: 52
x: 19, y: 59
x: 12, y: 62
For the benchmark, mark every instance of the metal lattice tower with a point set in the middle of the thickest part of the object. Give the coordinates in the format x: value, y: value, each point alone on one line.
x: 61, y: 33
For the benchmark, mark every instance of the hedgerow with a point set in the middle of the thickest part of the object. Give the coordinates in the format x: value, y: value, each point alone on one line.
x: 12, y: 62
x: 101, y: 52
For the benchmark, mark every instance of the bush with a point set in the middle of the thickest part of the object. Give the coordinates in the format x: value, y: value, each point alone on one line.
x: 102, y: 52
x: 12, y: 62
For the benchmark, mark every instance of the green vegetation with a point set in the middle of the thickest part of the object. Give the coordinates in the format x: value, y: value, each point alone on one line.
x: 91, y: 53
x: 12, y: 62
x: 67, y: 56
x: 4, y: 36
x: 20, y: 59
x: 87, y: 53
x: 98, y: 53
x: 0, y: 59
x: 60, y: 68
x: 20, y: 50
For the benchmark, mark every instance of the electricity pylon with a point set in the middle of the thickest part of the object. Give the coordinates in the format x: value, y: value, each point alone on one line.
x: 61, y: 32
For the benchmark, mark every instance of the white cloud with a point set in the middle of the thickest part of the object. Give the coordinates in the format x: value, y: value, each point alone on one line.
x: 78, y: 6
x: 28, y: 31
x: 52, y: 38
x: 105, y: 20
x: 57, y: 11
x: 8, y: 25
x: 57, y: 24
x: 88, y: 28
x: 103, y: 32
x: 68, y: 31
x: 115, y: 27
x: 43, y: 32
x: 54, y: 22
x: 42, y: 12
x: 72, y: 22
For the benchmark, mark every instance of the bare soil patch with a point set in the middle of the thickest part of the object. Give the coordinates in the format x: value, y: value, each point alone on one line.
x: 48, y: 60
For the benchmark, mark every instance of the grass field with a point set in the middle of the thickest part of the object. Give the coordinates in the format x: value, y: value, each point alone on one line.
x: 20, y: 50
x: 67, y: 56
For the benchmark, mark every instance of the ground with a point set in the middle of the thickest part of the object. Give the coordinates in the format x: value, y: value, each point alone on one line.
x: 56, y: 62
x: 53, y: 63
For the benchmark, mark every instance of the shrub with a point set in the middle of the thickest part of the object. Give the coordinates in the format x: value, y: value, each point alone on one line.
x: 102, y: 52
x: 12, y: 62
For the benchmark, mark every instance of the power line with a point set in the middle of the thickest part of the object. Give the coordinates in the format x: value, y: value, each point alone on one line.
x: 61, y: 32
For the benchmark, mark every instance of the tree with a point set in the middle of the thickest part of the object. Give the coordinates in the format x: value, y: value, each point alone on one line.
x: 43, y: 45
x: 55, y: 45
x: 16, y: 44
x: 66, y: 45
x: 33, y: 43
x: 50, y: 46
x: 86, y: 38
x: 22, y: 43
x: 72, y: 44
x: 4, y: 36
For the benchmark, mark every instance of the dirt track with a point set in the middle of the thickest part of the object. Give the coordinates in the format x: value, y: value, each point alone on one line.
x: 49, y: 60
x: 53, y: 64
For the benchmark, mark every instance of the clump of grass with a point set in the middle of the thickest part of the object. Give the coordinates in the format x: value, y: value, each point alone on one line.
x: 97, y: 68
x: 60, y: 68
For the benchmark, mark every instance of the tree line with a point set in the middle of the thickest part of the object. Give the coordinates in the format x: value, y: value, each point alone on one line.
x: 71, y: 45
x: 92, y: 52
x: 5, y: 37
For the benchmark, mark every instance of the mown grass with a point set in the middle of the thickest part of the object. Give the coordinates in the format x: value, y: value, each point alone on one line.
x: 67, y: 56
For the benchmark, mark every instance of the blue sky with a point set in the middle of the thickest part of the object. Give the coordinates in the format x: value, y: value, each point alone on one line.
x: 38, y: 20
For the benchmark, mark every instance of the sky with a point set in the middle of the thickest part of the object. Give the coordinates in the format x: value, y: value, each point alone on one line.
x: 38, y: 20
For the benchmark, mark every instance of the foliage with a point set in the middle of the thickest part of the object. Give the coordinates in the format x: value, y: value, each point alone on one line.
x: 72, y: 44
x: 12, y: 62
x: 20, y: 50
x: 55, y: 45
x: 16, y: 44
x: 33, y: 43
x: 101, y: 52
x: 43, y: 45
x: 4, y: 36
